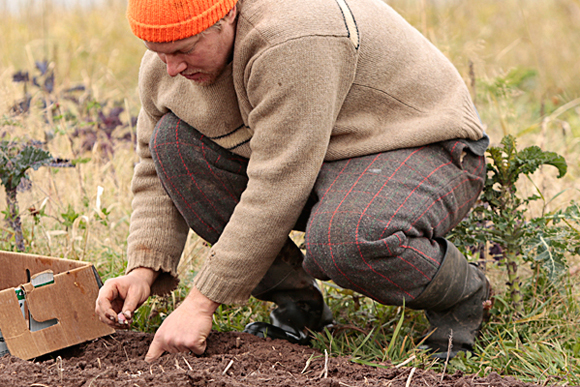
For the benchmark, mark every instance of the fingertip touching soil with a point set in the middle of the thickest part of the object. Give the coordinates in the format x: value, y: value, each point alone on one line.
x: 232, y: 359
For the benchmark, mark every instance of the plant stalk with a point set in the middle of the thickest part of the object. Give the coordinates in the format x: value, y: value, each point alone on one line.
x: 14, y: 218
x: 513, y: 280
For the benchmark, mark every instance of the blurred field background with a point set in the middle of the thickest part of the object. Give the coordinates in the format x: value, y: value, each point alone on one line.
x: 519, y: 58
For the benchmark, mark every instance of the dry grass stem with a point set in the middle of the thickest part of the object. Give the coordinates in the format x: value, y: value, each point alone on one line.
x: 324, y: 372
x: 228, y: 367
x: 95, y: 378
x: 449, y: 347
x: 307, y: 363
x: 186, y: 362
x: 59, y: 367
x: 406, y: 362
x: 410, y: 377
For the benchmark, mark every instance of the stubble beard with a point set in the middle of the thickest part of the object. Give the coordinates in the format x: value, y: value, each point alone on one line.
x: 207, y: 78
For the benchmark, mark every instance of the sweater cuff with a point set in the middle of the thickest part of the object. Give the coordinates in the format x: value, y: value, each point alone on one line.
x: 221, y: 290
x: 167, y: 279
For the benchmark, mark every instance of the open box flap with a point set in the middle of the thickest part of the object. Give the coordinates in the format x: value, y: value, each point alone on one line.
x: 22, y: 266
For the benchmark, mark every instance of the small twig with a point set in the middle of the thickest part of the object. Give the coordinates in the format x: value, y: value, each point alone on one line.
x: 38, y: 385
x: 410, y: 376
x: 177, y: 365
x: 59, y: 367
x: 344, y: 384
x: 406, y: 362
x: 228, y: 367
x: 307, y: 363
x: 162, y: 370
x: 112, y: 338
x: 449, y: 347
x: 186, y: 362
x: 7, y: 230
x: 126, y: 353
x: 325, y: 370
x: 99, y: 362
x: 95, y: 378
x: 325, y: 364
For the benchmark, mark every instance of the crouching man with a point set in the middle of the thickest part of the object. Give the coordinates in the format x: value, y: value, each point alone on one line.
x: 333, y: 117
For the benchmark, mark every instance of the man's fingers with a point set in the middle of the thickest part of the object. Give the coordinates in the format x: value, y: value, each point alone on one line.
x: 131, y: 303
x: 108, y: 296
x: 104, y: 309
x: 185, y: 329
x: 155, y: 351
x: 119, y: 298
x: 158, y: 347
x: 111, y: 316
x: 200, y: 349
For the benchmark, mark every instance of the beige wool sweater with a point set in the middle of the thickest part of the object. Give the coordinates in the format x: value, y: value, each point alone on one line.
x: 310, y: 80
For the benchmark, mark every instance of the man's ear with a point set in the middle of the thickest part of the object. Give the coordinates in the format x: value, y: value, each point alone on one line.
x: 231, y: 16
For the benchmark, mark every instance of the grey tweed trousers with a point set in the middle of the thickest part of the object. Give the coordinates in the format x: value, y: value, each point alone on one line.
x: 370, y: 223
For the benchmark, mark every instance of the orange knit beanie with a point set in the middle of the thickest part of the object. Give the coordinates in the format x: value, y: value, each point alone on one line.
x: 163, y: 21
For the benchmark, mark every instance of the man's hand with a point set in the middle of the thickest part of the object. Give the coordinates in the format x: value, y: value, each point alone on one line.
x: 186, y: 328
x: 124, y: 294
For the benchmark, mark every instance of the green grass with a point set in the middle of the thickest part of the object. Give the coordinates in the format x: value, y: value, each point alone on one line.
x: 520, y: 61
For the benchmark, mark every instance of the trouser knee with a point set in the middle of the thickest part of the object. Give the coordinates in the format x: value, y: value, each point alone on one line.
x: 393, y: 270
x: 204, y: 180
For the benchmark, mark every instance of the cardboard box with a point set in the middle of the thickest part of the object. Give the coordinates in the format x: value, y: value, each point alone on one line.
x: 58, y: 309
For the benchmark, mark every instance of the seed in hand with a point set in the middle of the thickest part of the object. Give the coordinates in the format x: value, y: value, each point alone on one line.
x: 122, y: 319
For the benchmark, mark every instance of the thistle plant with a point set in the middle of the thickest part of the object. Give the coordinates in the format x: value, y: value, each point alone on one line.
x: 15, y: 160
x: 500, y: 219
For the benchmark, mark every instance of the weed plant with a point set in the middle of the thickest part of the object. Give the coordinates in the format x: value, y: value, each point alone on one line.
x: 76, y: 93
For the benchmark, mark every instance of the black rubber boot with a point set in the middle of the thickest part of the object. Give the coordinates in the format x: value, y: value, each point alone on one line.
x: 456, y: 302
x: 300, y: 303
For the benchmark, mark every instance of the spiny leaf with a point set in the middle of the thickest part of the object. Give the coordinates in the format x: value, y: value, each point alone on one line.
x: 531, y: 158
x: 14, y: 164
x: 32, y: 157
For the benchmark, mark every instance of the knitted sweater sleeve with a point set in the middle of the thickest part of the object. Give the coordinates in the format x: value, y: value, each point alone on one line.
x: 158, y: 232
x: 296, y: 90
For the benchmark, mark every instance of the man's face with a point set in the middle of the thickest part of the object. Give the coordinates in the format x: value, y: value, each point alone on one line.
x: 200, y: 58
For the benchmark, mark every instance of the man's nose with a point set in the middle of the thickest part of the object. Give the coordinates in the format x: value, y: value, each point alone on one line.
x: 175, y: 65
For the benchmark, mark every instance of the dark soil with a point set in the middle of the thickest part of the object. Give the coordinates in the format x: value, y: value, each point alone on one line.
x: 232, y: 360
